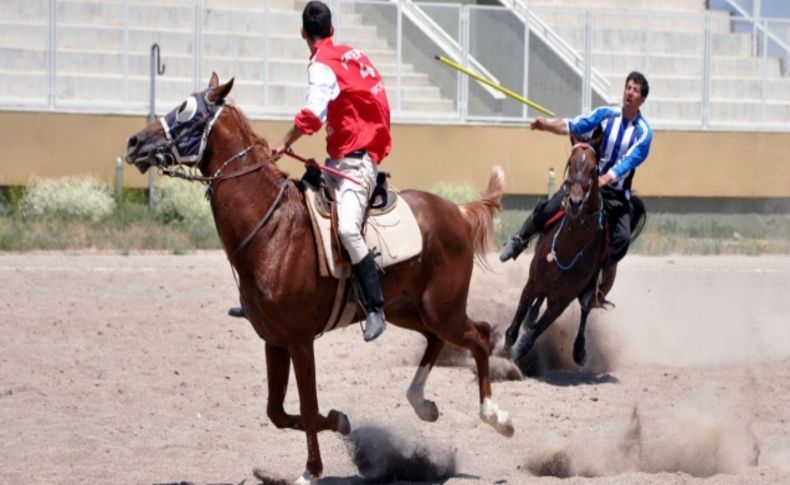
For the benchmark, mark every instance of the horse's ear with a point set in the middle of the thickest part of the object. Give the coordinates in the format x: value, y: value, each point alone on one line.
x: 214, y: 81
x: 596, y: 138
x: 574, y: 139
x: 218, y: 93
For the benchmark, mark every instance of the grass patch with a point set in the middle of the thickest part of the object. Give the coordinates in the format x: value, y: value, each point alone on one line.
x: 693, y: 234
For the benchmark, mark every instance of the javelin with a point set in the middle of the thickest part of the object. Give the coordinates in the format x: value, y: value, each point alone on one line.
x: 494, y: 85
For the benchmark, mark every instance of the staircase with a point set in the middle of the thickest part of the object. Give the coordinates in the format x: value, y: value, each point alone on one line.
x: 666, y: 41
x: 93, y: 70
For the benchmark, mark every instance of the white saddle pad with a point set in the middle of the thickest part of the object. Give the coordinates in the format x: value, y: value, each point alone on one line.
x: 393, y: 236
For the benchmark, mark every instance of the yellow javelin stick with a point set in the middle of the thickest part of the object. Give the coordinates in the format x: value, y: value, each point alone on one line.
x: 494, y: 85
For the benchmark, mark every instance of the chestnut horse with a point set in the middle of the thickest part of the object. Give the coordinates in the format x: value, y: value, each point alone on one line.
x: 265, y: 228
x: 567, y: 259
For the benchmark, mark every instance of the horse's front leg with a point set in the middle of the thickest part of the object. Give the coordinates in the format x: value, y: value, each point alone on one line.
x: 304, y: 368
x: 278, y: 365
x: 425, y: 409
x: 553, y: 310
x: 524, y: 304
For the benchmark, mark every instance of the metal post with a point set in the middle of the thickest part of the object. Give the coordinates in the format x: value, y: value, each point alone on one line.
x: 53, y: 50
x: 706, y: 68
x: 156, y: 68
x: 119, y: 180
x: 756, y: 16
x: 197, y: 43
x: 399, y: 60
x: 463, y: 102
x: 125, y: 52
x: 266, y: 30
x: 764, y: 75
x: 525, y: 84
x: 586, y: 85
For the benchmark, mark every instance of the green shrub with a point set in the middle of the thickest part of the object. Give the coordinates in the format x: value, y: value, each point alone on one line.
x: 82, y: 197
x: 179, y: 200
x: 460, y: 193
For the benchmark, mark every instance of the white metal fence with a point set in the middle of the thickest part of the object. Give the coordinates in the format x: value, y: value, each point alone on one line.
x: 707, y: 71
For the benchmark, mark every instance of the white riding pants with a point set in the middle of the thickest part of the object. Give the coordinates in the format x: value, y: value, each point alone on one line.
x: 352, y: 201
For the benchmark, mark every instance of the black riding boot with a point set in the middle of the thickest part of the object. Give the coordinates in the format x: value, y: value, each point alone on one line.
x: 520, y: 241
x: 373, y: 299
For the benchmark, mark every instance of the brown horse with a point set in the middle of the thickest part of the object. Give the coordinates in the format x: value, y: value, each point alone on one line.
x: 264, y: 226
x: 568, y: 256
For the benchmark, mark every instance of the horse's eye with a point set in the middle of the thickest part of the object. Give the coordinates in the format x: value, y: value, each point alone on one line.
x: 187, y: 110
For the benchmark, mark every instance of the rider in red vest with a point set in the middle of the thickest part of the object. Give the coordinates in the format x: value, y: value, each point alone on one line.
x: 347, y: 94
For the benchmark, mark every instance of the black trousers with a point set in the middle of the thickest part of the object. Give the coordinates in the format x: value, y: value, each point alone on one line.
x: 619, y: 213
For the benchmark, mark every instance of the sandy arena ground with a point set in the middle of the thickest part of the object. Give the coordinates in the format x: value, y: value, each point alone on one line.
x: 127, y: 370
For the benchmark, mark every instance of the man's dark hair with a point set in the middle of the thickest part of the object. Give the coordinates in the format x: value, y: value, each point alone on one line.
x: 317, y: 20
x: 640, y: 79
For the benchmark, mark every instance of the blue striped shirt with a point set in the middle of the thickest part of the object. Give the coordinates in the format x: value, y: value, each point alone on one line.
x: 625, y: 145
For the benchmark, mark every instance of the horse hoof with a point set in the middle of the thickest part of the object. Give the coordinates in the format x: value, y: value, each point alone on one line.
x: 496, y: 418
x: 428, y: 411
x: 342, y: 424
x: 580, y: 359
x: 306, y: 478
x: 579, y: 355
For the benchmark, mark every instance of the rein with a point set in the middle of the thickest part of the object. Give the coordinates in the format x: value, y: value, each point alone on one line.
x: 580, y: 253
x: 599, y: 212
x: 263, y: 220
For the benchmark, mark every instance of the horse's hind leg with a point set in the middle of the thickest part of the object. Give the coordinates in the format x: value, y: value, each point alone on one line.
x: 425, y: 409
x: 278, y: 363
x: 579, y: 351
x: 478, y: 338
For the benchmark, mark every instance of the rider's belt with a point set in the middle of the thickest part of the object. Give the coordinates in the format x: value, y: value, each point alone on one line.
x: 356, y: 154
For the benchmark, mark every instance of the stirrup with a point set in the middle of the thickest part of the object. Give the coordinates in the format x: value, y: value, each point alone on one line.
x: 374, y: 324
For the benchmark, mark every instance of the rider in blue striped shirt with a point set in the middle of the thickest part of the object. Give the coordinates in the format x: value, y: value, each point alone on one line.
x: 625, y: 144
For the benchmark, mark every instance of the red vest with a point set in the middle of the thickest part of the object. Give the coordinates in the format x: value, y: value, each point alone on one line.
x: 359, y: 117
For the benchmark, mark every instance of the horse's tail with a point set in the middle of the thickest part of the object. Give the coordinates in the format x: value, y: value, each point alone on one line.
x: 480, y: 215
x: 639, y: 217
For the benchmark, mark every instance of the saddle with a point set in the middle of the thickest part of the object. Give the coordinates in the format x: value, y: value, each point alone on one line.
x: 390, y: 231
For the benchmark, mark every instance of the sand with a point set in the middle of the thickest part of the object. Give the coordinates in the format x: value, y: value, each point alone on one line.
x: 126, y: 369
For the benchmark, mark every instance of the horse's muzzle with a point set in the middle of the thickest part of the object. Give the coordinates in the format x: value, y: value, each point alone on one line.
x: 145, y: 156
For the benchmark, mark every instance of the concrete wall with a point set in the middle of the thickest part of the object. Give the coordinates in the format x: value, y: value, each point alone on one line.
x: 682, y: 164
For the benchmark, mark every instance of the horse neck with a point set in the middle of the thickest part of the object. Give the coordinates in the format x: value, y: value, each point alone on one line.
x: 240, y: 202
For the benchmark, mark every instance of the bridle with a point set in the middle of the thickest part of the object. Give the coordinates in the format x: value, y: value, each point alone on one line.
x: 166, y: 151
x: 581, y: 161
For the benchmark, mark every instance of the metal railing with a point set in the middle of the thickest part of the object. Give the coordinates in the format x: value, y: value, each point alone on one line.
x: 59, y: 61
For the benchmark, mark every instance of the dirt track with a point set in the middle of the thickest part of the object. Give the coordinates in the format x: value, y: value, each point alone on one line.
x: 126, y: 369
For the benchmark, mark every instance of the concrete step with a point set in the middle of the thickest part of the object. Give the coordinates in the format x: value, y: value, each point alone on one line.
x: 633, y: 20
x: 88, y: 37
x: 172, y: 90
x: 688, y: 6
x: 728, y: 111
x: 280, y: 70
x: 728, y: 88
x: 112, y: 10
x: 667, y: 65
x: 659, y: 42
